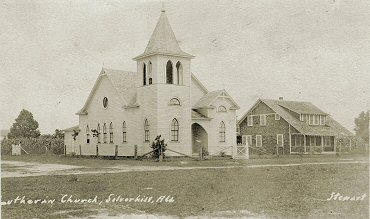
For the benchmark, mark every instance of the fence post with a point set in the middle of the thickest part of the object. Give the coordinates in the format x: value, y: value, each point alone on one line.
x: 135, y: 151
x: 80, y: 151
x: 116, y: 153
x: 201, y: 153
x: 97, y: 150
x: 65, y: 150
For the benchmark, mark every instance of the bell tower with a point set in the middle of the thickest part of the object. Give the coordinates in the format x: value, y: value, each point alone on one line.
x: 163, y: 75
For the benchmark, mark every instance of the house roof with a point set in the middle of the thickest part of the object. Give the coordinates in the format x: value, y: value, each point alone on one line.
x: 301, y: 107
x: 332, y: 127
x: 163, y: 40
x: 71, y: 129
x: 124, y: 83
x: 207, y: 100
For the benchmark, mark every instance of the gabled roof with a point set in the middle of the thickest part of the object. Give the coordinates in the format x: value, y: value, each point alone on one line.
x: 163, y: 41
x: 332, y: 127
x: 197, y: 115
x: 301, y: 107
x: 123, y: 82
x: 76, y: 128
x: 207, y: 100
x: 198, y: 83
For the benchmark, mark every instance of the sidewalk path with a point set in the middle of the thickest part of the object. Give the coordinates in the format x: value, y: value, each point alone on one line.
x: 25, y: 169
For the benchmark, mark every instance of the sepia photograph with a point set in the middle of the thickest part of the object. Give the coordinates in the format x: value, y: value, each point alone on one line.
x: 185, y: 109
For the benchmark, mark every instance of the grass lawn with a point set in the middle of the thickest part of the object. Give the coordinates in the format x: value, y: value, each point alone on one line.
x: 273, y: 192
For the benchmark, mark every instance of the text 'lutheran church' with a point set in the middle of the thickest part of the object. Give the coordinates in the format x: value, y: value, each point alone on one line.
x: 162, y: 98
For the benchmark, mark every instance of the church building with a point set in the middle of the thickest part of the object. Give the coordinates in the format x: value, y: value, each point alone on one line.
x: 162, y: 97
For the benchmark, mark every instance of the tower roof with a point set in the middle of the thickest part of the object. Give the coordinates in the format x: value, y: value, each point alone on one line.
x: 163, y: 40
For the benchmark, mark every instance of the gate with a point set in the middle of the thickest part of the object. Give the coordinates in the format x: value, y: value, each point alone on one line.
x: 241, y: 151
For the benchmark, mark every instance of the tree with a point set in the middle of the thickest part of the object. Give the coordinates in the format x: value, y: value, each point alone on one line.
x: 25, y: 126
x: 362, y: 126
x: 58, y: 134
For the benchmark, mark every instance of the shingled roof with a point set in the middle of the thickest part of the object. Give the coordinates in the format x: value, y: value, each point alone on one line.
x: 207, y: 100
x: 332, y: 127
x: 123, y: 81
x: 163, y: 41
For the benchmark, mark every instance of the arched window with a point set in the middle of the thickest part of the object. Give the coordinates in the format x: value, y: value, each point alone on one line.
x: 146, y: 130
x: 144, y: 74
x: 98, y: 130
x: 150, y: 72
x: 179, y: 73
x: 221, y: 109
x: 169, y: 73
x: 105, y: 133
x: 175, y: 130
x: 87, y: 134
x: 222, y: 131
x: 124, y: 132
x: 175, y: 101
x: 111, y: 132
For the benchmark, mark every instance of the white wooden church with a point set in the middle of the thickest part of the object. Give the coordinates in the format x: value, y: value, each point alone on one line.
x: 162, y: 98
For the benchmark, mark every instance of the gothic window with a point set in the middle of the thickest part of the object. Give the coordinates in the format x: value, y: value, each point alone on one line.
x: 175, y: 101
x: 150, y: 72
x: 179, y: 73
x: 146, y: 130
x: 144, y: 74
x: 111, y: 132
x: 175, y: 130
x: 87, y: 134
x: 98, y: 130
x: 124, y: 132
x: 221, y: 109
x: 222, y: 131
x: 169, y: 73
x: 105, y: 133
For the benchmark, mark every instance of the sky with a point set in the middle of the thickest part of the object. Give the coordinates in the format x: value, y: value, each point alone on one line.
x: 51, y: 52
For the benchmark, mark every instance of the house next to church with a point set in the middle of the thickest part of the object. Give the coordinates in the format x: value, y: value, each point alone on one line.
x: 288, y: 127
x: 162, y: 98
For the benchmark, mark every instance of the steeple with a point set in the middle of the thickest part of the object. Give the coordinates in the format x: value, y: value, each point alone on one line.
x: 163, y: 40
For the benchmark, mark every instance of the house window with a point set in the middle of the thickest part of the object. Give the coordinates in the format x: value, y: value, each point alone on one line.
x: 311, y: 120
x: 277, y: 116
x: 263, y: 120
x: 222, y: 131
x: 144, y: 74
x: 258, y: 140
x: 104, y: 133
x: 175, y: 101
x: 280, y: 139
x: 250, y: 120
x: 105, y: 102
x: 87, y: 134
x: 174, y: 130
x: 179, y: 73
x: 111, y: 132
x: 124, y: 132
x: 146, y: 130
x: 150, y: 72
x: 316, y: 121
x: 322, y: 119
x: 98, y: 130
x: 249, y: 140
x: 221, y: 109
x: 169, y: 73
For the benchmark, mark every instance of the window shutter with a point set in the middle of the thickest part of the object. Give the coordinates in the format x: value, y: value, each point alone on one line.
x: 244, y: 139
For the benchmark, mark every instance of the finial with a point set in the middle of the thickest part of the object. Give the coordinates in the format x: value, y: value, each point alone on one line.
x: 163, y: 10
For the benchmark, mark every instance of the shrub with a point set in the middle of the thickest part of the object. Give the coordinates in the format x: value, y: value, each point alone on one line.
x: 40, y: 145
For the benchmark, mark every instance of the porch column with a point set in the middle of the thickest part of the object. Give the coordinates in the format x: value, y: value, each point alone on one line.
x: 304, y: 143
x: 290, y: 143
x: 322, y: 144
x: 335, y: 143
x: 350, y: 144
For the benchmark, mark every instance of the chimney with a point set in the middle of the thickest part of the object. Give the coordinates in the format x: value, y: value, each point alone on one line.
x: 281, y: 98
